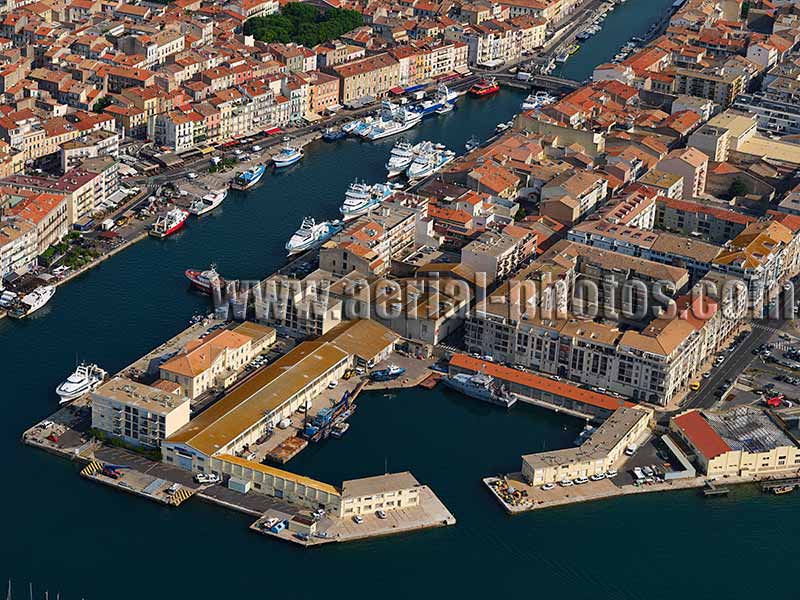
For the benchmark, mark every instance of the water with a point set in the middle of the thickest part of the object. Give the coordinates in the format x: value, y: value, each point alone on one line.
x: 627, y: 20
x: 64, y: 533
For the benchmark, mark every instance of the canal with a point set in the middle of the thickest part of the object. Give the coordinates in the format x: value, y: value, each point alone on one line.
x: 65, y: 534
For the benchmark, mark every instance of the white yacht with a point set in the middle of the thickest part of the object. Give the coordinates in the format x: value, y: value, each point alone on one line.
x: 312, y: 234
x: 33, y: 301
x: 401, y: 156
x: 85, y: 378
x: 429, y: 162
x: 207, y: 203
x: 361, y: 197
x: 394, y: 119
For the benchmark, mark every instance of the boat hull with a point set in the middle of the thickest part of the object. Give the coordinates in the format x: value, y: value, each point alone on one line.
x: 282, y: 164
x: 174, y: 229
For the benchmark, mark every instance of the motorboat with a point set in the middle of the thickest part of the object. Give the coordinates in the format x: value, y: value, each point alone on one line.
x: 206, y: 280
x: 207, y: 203
x: 86, y: 378
x: 472, y: 143
x: 169, y: 223
x: 537, y: 100
x: 387, y: 374
x: 394, y: 119
x: 360, y: 198
x: 485, y: 87
x: 428, y: 163
x: 249, y: 178
x: 444, y: 109
x: 331, y: 134
x: 287, y: 157
x: 312, y: 234
x: 400, y: 157
x: 33, y: 301
x: 481, y: 387
x: 443, y: 98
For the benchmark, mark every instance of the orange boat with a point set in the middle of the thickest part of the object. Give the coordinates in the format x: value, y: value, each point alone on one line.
x: 485, y: 87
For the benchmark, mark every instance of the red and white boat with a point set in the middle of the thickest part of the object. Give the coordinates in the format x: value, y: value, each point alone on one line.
x: 205, y: 281
x: 169, y: 223
x: 485, y: 87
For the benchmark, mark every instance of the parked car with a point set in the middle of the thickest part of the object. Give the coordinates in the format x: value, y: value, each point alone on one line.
x: 358, y: 519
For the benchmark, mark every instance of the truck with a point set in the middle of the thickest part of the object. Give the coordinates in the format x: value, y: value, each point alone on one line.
x: 523, y: 76
x: 107, y: 225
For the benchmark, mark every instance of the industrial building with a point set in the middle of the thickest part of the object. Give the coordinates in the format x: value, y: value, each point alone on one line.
x: 246, y: 414
x: 596, y: 455
x: 744, y: 441
x: 383, y: 492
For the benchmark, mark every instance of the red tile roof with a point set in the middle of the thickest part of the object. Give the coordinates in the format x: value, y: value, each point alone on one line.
x: 558, y: 388
x: 701, y: 435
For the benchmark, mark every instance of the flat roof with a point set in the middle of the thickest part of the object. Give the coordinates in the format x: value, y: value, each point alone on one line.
x: 557, y: 388
x: 133, y: 393
x: 380, y: 484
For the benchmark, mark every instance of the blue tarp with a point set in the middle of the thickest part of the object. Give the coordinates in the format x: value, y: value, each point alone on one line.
x: 415, y: 88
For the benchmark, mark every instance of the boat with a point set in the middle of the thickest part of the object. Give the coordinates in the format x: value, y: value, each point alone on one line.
x: 537, y: 100
x: 363, y: 127
x: 428, y: 163
x: 394, y: 119
x: 350, y: 126
x: 287, y: 157
x: 573, y: 49
x: 784, y: 489
x: 388, y: 374
x: 585, y: 434
x: 312, y: 234
x: 169, y: 223
x: 360, y: 198
x: 443, y: 98
x: 249, y: 178
x: 400, y: 157
x: 472, y: 143
x: 562, y: 57
x: 501, y: 127
x: 331, y: 134
x: 485, y: 87
x: 86, y: 378
x: 205, y: 281
x: 481, y: 387
x: 207, y: 203
x: 444, y: 109
x: 339, y: 429
x: 33, y: 301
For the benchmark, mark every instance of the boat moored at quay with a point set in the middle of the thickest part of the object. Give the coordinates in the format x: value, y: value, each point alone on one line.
x: 249, y: 178
x: 312, y: 234
x: 360, y: 198
x: 169, y: 223
x: 481, y: 387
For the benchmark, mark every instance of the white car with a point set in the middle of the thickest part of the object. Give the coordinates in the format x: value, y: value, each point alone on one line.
x: 580, y: 480
x: 358, y: 519
x: 548, y: 486
x: 237, y: 152
x: 256, y: 148
x: 565, y: 482
x: 332, y: 384
x: 631, y: 450
x: 611, y: 473
x: 598, y: 477
x: 191, y: 175
x: 380, y: 514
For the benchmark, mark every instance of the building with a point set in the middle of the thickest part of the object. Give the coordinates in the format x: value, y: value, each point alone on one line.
x: 497, y: 254
x: 742, y: 442
x: 383, y: 492
x: 371, y: 76
x: 691, y: 165
x: 670, y: 185
x: 709, y: 222
x: 18, y: 246
x: 246, y: 413
x: 137, y: 414
x: 598, y: 454
x: 717, y: 84
x: 215, y: 361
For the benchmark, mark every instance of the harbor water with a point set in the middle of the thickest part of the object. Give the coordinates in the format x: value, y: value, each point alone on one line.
x: 66, y: 534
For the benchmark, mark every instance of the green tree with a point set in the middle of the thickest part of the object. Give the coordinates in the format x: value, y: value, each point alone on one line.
x: 738, y: 188
x: 101, y: 104
x: 303, y: 24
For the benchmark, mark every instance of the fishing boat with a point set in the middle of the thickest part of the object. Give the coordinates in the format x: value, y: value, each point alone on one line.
x: 169, y: 223
x: 562, y: 57
x: 249, y: 178
x: 33, y: 301
x: 86, y: 378
x: 400, y: 157
x: 537, y: 100
x: 444, y: 97
x: 207, y: 203
x: 428, y: 163
x: 331, y: 134
x: 485, y: 87
x: 287, y: 157
x: 312, y: 234
x: 387, y: 374
x: 394, y: 119
x: 206, y: 281
x: 360, y: 198
x: 481, y: 387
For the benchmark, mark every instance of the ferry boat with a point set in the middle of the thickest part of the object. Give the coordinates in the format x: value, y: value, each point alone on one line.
x: 287, y: 157
x: 312, y: 234
x: 169, y: 223
x: 481, y: 387
x: 485, y: 87
x: 428, y: 163
x: 360, y: 198
x: 443, y: 98
x: 247, y: 179
x: 331, y: 134
x: 400, y: 157
x: 388, y: 374
x: 393, y: 120
x: 206, y: 281
x: 207, y: 203
x: 86, y: 378
x: 33, y: 301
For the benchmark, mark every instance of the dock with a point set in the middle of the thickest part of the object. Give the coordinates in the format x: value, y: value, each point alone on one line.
x: 780, y: 486
x: 711, y: 490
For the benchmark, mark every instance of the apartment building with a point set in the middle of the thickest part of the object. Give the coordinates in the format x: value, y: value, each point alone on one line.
x: 18, y: 246
x: 691, y: 165
x: 709, y: 222
x: 371, y: 76
x: 47, y: 212
x: 497, y: 254
x: 137, y: 414
x: 717, y: 84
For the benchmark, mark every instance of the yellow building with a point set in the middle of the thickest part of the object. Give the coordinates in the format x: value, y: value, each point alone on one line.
x: 384, y: 492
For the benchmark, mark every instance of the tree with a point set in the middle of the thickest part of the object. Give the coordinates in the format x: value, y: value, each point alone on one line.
x: 738, y: 188
x: 101, y: 104
x: 303, y: 24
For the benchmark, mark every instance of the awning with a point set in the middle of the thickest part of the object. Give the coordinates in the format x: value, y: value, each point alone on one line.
x: 397, y: 90
x: 415, y: 88
x: 463, y: 70
x: 312, y: 117
x: 272, y: 131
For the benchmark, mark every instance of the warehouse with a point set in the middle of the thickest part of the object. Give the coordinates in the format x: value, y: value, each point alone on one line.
x: 245, y: 414
x: 743, y: 441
